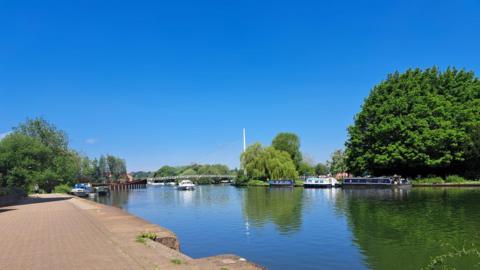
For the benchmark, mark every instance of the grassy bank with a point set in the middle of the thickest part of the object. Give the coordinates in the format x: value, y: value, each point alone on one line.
x: 260, y: 183
x: 449, y: 180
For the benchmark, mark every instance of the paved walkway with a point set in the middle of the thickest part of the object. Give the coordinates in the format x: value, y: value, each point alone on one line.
x: 64, y: 232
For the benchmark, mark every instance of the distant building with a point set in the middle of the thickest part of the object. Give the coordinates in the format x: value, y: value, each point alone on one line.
x: 342, y: 175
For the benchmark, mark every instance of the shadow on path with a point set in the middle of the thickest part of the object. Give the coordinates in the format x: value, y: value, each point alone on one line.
x: 6, y: 209
x: 33, y: 199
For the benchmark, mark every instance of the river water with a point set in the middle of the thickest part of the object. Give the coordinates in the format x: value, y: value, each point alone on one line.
x: 283, y: 228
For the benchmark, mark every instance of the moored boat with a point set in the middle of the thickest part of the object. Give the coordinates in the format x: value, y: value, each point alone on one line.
x: 103, y: 190
x: 186, y: 185
x: 376, y: 182
x: 320, y: 182
x: 281, y: 183
x: 153, y: 182
x: 81, y: 189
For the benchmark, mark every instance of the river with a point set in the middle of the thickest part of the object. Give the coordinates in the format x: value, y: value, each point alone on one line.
x: 298, y: 228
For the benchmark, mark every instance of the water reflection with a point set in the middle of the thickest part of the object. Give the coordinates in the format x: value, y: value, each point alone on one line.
x: 405, y: 229
x: 341, y: 228
x: 282, y: 206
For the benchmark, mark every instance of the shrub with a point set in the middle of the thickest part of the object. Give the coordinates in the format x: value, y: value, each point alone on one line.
x: 176, y: 261
x: 141, y: 238
x: 63, y: 188
x: 257, y: 183
x: 454, y: 179
x: 429, y: 180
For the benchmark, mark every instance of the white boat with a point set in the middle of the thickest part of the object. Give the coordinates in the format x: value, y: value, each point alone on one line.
x: 186, y: 185
x: 171, y: 184
x: 320, y: 182
x: 81, y: 189
x: 153, y: 182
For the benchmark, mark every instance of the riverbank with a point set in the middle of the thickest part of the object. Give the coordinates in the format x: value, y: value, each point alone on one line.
x: 446, y: 184
x: 64, y: 232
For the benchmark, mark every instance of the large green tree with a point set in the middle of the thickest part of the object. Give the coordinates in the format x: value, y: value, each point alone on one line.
x: 290, y: 143
x: 37, y: 154
x: 337, y: 162
x: 268, y: 163
x: 321, y: 169
x: 418, y: 122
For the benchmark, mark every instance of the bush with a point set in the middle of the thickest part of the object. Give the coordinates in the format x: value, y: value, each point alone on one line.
x: 141, y: 238
x: 429, y: 180
x: 63, y: 188
x: 257, y: 183
x: 299, y: 183
x: 455, y: 179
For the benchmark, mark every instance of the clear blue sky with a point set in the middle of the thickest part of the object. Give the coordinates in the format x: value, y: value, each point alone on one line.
x: 174, y: 82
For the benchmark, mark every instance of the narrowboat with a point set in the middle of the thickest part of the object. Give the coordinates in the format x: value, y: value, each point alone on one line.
x: 376, y: 182
x: 320, y: 182
x: 281, y: 183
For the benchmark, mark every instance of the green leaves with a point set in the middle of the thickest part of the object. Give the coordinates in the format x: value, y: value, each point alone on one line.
x: 268, y: 163
x: 37, y: 154
x: 418, y: 122
x: 290, y: 143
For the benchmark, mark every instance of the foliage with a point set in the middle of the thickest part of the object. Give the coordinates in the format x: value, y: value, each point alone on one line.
x: 267, y: 163
x: 321, y: 169
x: 254, y: 183
x: 193, y: 169
x: 45, y: 132
x: 299, y: 183
x: 37, y: 155
x: 419, y: 122
x: 306, y: 169
x: 176, y: 261
x: 142, y: 174
x: 337, y: 162
x: 26, y: 161
x: 166, y: 171
x: 62, y: 188
x: 429, y: 180
x: 141, y: 238
x: 107, y: 168
x: 455, y: 179
x: 290, y: 143
x: 241, y: 179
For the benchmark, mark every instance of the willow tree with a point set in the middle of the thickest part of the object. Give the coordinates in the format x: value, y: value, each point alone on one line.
x: 268, y: 163
x: 418, y: 122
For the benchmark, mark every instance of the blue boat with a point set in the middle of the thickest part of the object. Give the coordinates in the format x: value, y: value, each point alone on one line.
x: 281, y: 183
x: 377, y: 181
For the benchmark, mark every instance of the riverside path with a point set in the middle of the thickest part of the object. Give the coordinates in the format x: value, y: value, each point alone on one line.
x: 65, y: 232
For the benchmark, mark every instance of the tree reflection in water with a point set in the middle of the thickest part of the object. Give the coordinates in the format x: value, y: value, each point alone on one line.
x: 406, y: 229
x: 282, y: 206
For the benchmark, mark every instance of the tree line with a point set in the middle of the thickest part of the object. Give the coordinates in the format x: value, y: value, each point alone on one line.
x: 193, y: 169
x: 105, y: 169
x: 36, y: 154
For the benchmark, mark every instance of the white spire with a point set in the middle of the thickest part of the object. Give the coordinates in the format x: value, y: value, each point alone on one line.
x: 244, y: 141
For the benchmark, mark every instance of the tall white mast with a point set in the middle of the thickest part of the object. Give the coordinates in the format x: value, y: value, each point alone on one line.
x: 244, y: 141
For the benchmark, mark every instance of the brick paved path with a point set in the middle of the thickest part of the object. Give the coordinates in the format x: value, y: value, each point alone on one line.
x: 63, y: 232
